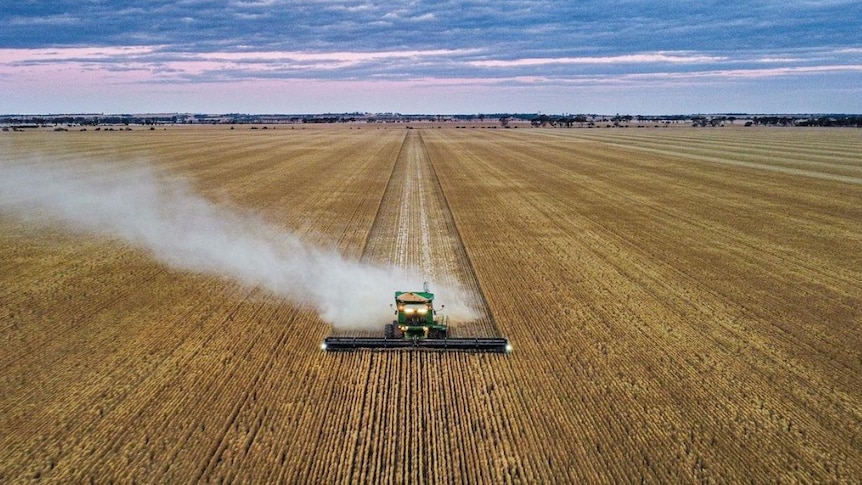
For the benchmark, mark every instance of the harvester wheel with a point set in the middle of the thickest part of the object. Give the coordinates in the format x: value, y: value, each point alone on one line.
x: 392, y: 331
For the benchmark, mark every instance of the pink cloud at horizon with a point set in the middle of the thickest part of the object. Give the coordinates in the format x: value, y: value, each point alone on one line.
x: 659, y: 57
x: 140, y: 79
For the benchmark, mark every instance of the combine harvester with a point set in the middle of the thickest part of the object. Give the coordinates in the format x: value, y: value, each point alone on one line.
x: 417, y: 327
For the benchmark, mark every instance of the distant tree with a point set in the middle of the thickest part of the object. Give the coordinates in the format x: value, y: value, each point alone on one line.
x: 504, y: 121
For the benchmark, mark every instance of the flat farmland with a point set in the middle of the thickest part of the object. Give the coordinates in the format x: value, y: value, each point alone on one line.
x: 684, y: 304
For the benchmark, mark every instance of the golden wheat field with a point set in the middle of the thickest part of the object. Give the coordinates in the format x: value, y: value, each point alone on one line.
x: 685, y: 306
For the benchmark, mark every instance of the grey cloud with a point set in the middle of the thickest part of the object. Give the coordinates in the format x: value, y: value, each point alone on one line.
x: 507, y: 25
x: 788, y: 33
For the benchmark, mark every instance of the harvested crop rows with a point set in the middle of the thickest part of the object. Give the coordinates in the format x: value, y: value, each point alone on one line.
x: 685, y: 306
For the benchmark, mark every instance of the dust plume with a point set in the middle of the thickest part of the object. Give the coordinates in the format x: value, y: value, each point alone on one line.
x: 186, y: 231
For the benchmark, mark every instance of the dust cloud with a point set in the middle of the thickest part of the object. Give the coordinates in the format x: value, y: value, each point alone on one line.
x: 166, y: 218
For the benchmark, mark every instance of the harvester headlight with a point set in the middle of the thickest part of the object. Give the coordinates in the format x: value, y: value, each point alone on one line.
x: 408, y: 310
x: 422, y: 311
x: 323, y: 346
x: 508, y: 348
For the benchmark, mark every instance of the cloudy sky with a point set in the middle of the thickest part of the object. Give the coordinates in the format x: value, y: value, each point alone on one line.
x: 288, y: 56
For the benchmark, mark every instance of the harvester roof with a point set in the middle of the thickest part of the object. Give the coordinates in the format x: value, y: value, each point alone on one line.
x: 413, y: 296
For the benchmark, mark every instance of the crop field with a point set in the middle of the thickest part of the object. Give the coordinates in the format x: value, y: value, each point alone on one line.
x: 685, y: 306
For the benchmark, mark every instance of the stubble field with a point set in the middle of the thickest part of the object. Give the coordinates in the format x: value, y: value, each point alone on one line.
x: 684, y: 305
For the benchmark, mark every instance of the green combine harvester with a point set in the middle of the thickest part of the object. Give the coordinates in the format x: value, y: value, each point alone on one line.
x: 417, y: 326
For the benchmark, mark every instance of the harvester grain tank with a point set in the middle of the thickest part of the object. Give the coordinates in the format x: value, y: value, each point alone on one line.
x: 418, y: 325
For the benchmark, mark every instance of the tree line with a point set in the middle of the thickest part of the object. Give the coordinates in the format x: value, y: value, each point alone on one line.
x: 850, y: 121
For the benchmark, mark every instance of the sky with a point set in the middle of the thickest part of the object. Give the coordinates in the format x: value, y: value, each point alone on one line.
x: 319, y: 56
